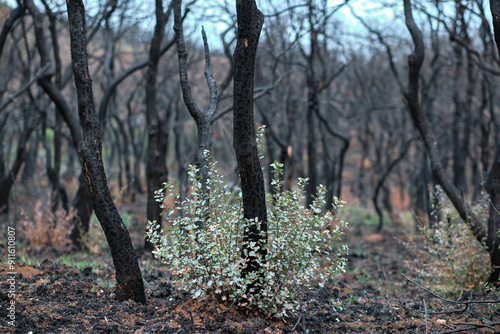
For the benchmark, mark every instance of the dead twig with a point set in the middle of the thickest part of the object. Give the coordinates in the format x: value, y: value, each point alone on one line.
x: 232, y: 304
x: 298, y: 321
x: 470, y: 327
x: 465, y: 303
x: 192, y: 320
x: 302, y: 306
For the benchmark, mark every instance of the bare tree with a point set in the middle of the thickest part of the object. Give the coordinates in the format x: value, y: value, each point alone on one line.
x: 128, y: 275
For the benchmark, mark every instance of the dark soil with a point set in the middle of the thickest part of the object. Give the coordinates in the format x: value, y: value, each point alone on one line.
x: 56, y: 298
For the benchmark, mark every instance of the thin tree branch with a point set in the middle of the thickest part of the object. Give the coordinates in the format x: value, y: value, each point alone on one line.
x: 11, y: 98
x: 261, y: 92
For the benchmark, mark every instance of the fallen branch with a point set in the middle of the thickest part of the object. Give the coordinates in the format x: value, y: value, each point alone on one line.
x: 471, y: 326
x: 465, y: 303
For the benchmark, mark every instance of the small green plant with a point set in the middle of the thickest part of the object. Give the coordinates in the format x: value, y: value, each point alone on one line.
x: 453, y: 259
x: 72, y: 261
x: 494, y: 293
x: 106, y: 284
x: 302, y: 246
x: 30, y: 261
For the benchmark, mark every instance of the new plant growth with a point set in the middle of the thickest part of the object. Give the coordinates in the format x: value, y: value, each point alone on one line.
x: 454, y: 260
x: 302, y: 246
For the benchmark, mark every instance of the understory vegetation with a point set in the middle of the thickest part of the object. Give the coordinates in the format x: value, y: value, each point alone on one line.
x: 453, y: 260
x: 302, y: 249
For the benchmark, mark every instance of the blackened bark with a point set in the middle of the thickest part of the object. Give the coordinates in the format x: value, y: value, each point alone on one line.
x: 415, y: 61
x: 493, y: 181
x: 156, y: 167
x: 128, y: 275
x: 84, y: 209
x: 312, y: 159
x: 250, y: 21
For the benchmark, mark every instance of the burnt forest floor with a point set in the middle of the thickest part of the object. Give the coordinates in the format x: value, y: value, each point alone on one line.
x: 73, y: 293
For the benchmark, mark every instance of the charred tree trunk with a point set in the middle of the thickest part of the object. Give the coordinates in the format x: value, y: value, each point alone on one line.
x: 250, y: 21
x: 156, y: 167
x: 493, y: 240
x: 493, y: 182
x: 84, y: 210
x: 128, y: 275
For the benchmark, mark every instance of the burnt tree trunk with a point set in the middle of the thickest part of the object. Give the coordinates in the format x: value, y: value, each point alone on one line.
x: 493, y: 240
x: 250, y: 21
x: 84, y: 209
x: 128, y: 275
x: 493, y: 181
x: 156, y: 167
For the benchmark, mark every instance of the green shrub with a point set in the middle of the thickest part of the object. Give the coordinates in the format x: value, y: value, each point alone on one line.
x: 453, y: 260
x: 302, y: 246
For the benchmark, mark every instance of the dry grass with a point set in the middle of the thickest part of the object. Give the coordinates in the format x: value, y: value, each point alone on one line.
x: 42, y: 227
